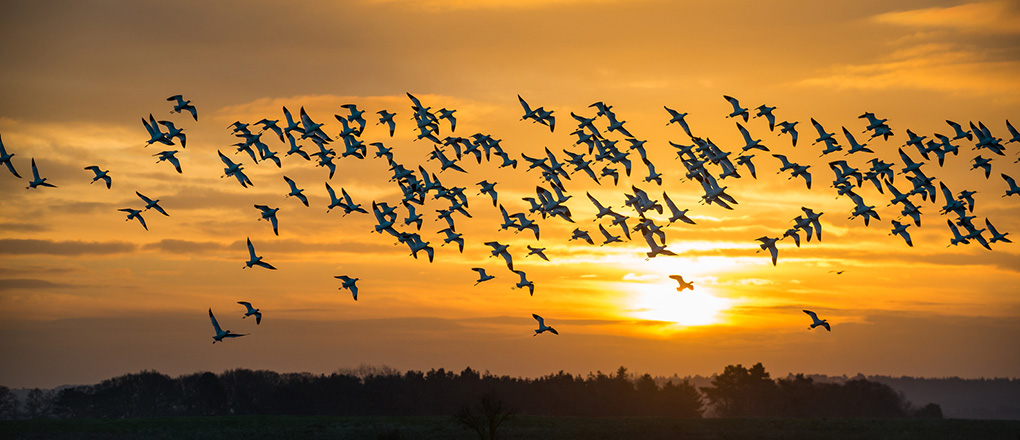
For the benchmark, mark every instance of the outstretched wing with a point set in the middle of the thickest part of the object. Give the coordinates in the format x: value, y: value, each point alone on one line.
x: 811, y: 314
x: 541, y: 322
x: 251, y: 250
x: 216, y: 325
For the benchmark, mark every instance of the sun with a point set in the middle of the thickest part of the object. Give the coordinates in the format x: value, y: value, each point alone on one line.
x: 661, y: 302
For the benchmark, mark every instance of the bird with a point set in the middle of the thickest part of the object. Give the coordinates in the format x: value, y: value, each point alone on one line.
x: 100, y: 174
x: 788, y: 127
x: 174, y: 132
x: 294, y: 191
x: 386, y: 117
x: 349, y: 284
x: 482, y: 276
x: 169, y: 157
x: 1013, y: 188
x: 269, y: 214
x: 135, y: 213
x: 770, y: 244
x: 36, y: 180
x: 677, y: 117
x: 766, y: 111
x: 220, y: 333
x: 149, y: 203
x: 683, y: 285
x: 901, y: 230
x: 996, y: 235
x: 817, y: 322
x: 183, y: 105
x: 524, y: 282
x: 254, y: 260
x: 155, y: 134
x: 251, y: 311
x: 5, y: 159
x: 537, y: 251
x: 542, y: 327
x: 737, y: 109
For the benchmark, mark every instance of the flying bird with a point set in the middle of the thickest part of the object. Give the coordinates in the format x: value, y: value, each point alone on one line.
x: 254, y: 260
x: 270, y: 215
x: 169, y: 157
x: 251, y: 312
x: 349, y: 284
x: 295, y: 191
x: 153, y: 204
x: 817, y: 322
x: 482, y: 276
x: 737, y: 109
x: 220, y: 333
x: 542, y: 327
x: 5, y: 159
x: 36, y: 180
x: 100, y: 174
x: 683, y: 284
x: 135, y: 213
x: 182, y: 105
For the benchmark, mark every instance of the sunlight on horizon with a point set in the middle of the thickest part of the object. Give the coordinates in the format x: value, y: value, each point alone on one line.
x: 662, y: 302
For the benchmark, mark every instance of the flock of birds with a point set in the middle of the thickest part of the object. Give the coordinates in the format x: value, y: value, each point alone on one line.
x: 605, y: 158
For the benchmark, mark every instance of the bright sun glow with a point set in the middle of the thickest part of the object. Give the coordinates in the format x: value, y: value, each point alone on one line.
x: 661, y: 302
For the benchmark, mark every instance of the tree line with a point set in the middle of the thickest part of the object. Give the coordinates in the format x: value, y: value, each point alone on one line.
x: 736, y: 392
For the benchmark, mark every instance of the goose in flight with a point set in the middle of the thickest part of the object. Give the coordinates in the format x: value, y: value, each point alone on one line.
x: 737, y: 109
x: 766, y: 111
x: 270, y: 215
x: 295, y: 191
x: 996, y: 235
x: 788, y: 128
x: 677, y: 117
x: 960, y: 132
x: 182, y: 105
x: 135, y: 213
x: 817, y: 322
x: 542, y: 327
x: 901, y: 230
x: 482, y: 276
x: 254, y: 260
x: 537, y: 251
x: 174, y: 132
x: 220, y: 333
x: 251, y: 312
x: 100, y: 174
x: 683, y: 284
x: 1013, y: 188
x: 500, y: 250
x: 155, y: 134
x: 36, y: 180
x: 169, y: 157
x: 386, y: 117
x: 349, y: 284
x: 748, y: 142
x: 149, y: 203
x: 5, y: 159
x: 234, y: 169
x: 769, y: 244
x: 524, y: 282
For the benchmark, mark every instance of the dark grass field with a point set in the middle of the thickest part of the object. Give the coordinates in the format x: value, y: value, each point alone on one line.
x: 519, y: 427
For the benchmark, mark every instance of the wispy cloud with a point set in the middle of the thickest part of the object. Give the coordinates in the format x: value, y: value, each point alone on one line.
x: 997, y: 17
x: 29, y: 283
x: 16, y: 246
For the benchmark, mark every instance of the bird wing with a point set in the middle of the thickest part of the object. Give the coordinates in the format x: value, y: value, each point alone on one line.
x: 216, y: 325
x: 293, y: 186
x: 679, y: 278
x: 258, y: 318
x: 251, y: 249
x: 811, y: 314
x: 541, y: 322
x: 247, y: 305
x: 826, y: 325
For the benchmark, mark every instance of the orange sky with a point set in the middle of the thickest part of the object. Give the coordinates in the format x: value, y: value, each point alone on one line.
x: 85, y: 295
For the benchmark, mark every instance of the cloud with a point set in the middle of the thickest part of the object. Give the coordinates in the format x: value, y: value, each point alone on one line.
x: 451, y: 5
x: 29, y: 283
x: 183, y: 246
x: 15, y: 246
x: 997, y: 17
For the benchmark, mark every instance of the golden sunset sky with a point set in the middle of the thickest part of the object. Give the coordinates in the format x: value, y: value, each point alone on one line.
x: 85, y: 295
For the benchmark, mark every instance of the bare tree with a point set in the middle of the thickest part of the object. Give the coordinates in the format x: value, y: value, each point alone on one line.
x: 485, y: 415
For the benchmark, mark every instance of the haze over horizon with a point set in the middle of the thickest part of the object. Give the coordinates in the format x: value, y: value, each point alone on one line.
x: 86, y: 295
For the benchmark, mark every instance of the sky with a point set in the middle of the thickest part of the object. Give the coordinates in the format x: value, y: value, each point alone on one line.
x: 86, y: 295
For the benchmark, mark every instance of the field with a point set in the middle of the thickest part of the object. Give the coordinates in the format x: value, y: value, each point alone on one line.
x: 519, y: 427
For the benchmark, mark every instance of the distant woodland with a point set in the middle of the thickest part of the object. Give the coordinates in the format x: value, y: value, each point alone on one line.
x: 737, y: 391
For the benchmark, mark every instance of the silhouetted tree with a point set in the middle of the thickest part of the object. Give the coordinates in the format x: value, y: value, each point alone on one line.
x: 929, y: 411
x: 8, y: 404
x: 742, y: 392
x: 681, y: 400
x: 37, y: 404
x: 484, y: 415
